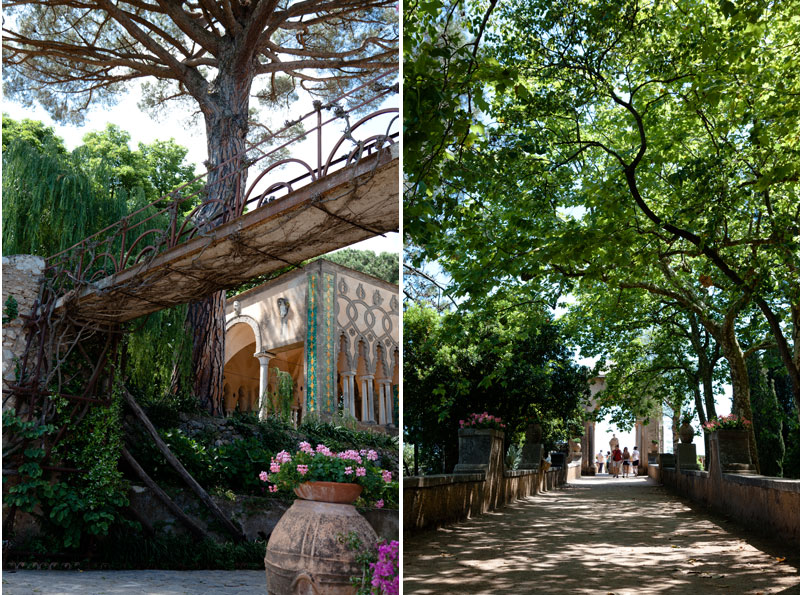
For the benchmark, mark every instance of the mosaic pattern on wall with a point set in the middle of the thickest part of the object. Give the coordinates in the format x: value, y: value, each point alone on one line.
x: 327, y: 358
x: 311, y: 344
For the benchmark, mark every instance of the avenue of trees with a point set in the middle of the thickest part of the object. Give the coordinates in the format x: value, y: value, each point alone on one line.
x: 641, y: 157
x: 213, y: 58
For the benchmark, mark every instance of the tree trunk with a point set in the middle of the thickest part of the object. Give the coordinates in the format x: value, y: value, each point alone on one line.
x: 226, y: 115
x: 206, y: 318
x: 740, y: 382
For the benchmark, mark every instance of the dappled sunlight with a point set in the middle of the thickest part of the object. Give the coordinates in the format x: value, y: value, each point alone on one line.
x: 598, y: 535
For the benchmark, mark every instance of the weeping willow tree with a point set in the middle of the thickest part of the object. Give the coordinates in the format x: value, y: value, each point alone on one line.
x: 54, y: 198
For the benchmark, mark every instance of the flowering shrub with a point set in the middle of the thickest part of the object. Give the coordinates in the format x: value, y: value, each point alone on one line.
x: 480, y: 421
x: 726, y: 422
x: 380, y: 566
x: 287, y: 471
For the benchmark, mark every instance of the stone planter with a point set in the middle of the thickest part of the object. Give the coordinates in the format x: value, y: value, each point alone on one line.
x: 305, y: 554
x: 733, y: 451
x: 476, y: 449
x: 686, y: 433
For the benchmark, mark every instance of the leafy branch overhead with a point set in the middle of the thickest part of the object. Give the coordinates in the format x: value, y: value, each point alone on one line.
x: 636, y: 147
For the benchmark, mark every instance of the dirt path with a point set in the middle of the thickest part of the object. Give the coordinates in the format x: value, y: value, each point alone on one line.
x: 601, y: 536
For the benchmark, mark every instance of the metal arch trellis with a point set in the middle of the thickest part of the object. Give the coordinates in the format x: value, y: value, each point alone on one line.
x: 53, y: 335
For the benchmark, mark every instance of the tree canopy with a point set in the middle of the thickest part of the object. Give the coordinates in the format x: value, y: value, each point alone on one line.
x: 621, y: 146
x: 513, y: 363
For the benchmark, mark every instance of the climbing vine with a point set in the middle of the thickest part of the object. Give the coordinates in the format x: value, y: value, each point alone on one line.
x: 283, y: 396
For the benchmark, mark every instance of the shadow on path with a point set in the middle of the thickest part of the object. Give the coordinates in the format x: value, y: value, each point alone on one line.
x: 598, y: 535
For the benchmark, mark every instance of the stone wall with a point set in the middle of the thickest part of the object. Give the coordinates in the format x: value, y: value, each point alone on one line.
x: 257, y: 516
x: 22, y: 274
x: 768, y: 504
x: 436, y: 500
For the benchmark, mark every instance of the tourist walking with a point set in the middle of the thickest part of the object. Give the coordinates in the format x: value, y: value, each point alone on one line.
x: 635, y: 461
x: 600, y: 460
x: 617, y: 458
x: 626, y: 462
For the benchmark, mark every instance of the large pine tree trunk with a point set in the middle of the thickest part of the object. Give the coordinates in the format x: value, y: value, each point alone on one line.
x: 226, y: 116
x: 206, y: 319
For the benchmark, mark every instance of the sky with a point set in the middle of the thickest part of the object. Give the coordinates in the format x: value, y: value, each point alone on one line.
x: 142, y: 128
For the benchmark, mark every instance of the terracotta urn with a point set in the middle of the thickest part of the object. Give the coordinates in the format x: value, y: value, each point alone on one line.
x: 306, y: 553
x: 686, y: 433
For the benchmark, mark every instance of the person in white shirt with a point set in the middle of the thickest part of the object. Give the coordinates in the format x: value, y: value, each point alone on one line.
x: 635, y: 460
x: 600, y: 460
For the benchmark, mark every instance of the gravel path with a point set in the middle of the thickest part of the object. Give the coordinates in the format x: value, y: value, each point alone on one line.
x: 602, y: 536
x: 146, y: 582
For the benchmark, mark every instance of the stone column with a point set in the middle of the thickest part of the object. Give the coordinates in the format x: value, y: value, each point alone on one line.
x: 367, y: 399
x: 349, y: 384
x: 263, y: 376
x: 389, y: 405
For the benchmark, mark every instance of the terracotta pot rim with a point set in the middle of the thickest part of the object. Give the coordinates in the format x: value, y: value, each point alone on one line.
x: 334, y: 492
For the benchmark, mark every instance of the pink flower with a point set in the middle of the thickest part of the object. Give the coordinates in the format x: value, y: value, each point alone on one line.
x: 387, y: 476
x: 379, y: 503
x: 302, y: 469
x: 274, y: 467
x: 350, y: 455
x: 273, y: 488
x: 372, y: 455
x: 306, y: 447
x: 283, y: 457
x: 263, y: 476
x: 361, y: 472
x: 348, y: 470
x: 324, y: 450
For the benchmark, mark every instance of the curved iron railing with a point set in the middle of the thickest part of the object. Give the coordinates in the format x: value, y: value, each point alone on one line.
x: 165, y: 224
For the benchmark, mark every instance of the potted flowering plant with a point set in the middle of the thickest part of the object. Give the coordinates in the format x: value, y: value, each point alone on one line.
x: 319, y: 563
x: 727, y: 422
x: 321, y: 474
x: 482, y: 421
x: 730, y: 437
x: 478, y: 437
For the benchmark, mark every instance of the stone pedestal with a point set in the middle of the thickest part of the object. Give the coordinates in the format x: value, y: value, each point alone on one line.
x: 532, y: 455
x: 478, y: 450
x: 731, y: 448
x: 666, y: 460
x: 687, y: 457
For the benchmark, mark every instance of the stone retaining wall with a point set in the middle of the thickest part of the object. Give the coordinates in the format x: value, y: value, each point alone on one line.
x: 22, y: 275
x: 767, y: 504
x: 257, y: 516
x: 436, y: 500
